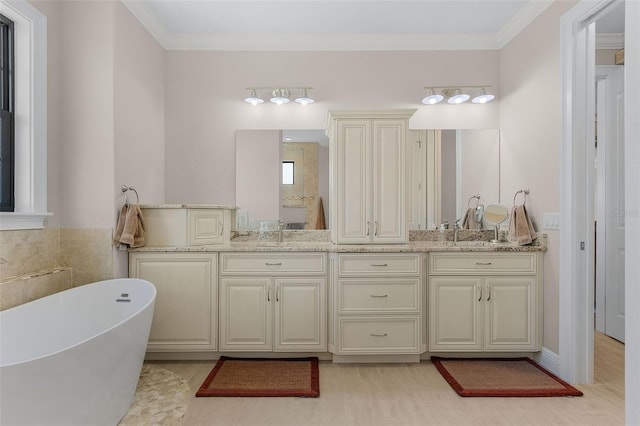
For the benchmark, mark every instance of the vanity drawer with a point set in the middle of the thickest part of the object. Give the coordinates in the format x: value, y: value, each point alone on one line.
x: 378, y: 264
x: 272, y: 263
x: 479, y: 263
x: 375, y: 295
x: 374, y: 335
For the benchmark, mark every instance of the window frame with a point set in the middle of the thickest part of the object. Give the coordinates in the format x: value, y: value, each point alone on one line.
x: 7, y: 82
x: 30, y: 66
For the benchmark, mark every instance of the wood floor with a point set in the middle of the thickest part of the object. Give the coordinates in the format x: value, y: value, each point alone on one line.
x: 411, y: 394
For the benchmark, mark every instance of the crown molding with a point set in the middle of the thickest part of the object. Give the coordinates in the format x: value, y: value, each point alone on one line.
x: 610, y: 41
x: 521, y: 20
x: 334, y: 42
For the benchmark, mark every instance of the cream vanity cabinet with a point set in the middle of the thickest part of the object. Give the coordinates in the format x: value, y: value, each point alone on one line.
x: 367, y: 150
x: 485, y: 302
x: 378, y: 304
x: 185, y: 315
x: 187, y: 225
x: 273, y: 302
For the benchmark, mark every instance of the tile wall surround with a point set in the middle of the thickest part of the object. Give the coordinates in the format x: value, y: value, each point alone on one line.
x: 37, y: 263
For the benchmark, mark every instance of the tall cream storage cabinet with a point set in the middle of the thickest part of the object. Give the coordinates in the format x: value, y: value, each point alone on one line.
x: 485, y: 302
x: 367, y: 150
x: 186, y: 308
x: 273, y: 302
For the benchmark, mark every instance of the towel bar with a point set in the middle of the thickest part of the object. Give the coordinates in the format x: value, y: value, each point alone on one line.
x: 525, y: 192
x: 125, y: 189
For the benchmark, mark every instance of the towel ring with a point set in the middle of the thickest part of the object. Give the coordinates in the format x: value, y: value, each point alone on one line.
x: 477, y: 197
x: 524, y: 193
x: 125, y: 189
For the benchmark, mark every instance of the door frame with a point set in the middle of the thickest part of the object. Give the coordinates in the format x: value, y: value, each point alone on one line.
x: 576, y: 266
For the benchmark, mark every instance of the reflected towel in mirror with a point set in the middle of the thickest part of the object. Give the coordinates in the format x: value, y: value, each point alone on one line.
x: 470, y: 220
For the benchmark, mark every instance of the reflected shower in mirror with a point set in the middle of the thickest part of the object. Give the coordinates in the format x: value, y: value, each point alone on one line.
x: 282, y: 175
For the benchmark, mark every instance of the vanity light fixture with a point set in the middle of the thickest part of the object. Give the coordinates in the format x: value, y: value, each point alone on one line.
x: 483, y: 97
x: 304, y: 99
x: 279, y: 95
x: 253, y: 99
x: 456, y: 95
x: 432, y: 98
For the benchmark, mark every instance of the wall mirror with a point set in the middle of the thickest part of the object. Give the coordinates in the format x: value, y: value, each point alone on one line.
x: 282, y: 175
x: 445, y: 168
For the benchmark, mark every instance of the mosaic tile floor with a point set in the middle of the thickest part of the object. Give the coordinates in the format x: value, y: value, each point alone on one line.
x: 161, y: 398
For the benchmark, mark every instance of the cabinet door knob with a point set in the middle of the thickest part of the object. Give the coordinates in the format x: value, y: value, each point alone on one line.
x: 368, y: 228
x: 269, y: 294
x: 489, y: 296
x: 480, y: 298
x: 278, y: 293
x: 376, y: 231
x: 379, y: 335
x: 221, y: 228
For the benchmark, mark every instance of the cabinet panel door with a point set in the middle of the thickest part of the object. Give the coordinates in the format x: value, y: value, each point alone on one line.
x: 185, y: 311
x: 510, y: 313
x: 206, y: 226
x: 455, y: 314
x: 389, y: 181
x: 245, y: 314
x: 353, y: 186
x: 300, y: 314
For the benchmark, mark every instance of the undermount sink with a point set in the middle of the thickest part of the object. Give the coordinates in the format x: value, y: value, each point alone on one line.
x: 471, y: 243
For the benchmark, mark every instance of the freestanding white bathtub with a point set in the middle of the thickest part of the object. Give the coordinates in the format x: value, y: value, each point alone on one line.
x: 74, y: 358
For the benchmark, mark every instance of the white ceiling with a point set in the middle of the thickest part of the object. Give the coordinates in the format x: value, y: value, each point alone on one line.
x: 335, y: 24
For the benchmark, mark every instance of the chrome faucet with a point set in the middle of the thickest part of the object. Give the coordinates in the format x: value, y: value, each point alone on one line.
x: 280, y: 227
x: 456, y: 228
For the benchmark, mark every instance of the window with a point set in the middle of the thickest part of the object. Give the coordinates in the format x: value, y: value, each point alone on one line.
x: 287, y: 173
x: 7, y: 163
x: 29, y: 110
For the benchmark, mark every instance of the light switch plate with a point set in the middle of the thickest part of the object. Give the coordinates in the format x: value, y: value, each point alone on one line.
x: 551, y: 220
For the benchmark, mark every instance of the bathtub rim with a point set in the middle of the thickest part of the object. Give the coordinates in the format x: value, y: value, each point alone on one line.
x: 102, y: 332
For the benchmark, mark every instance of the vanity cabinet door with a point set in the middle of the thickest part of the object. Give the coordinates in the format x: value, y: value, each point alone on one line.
x: 510, y: 314
x: 455, y: 314
x: 300, y: 314
x: 246, y: 314
x: 185, y: 314
x: 353, y: 146
x: 389, y: 210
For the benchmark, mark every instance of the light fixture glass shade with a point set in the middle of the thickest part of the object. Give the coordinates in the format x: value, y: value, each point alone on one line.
x: 458, y: 97
x: 483, y: 97
x: 304, y: 99
x: 253, y: 99
x: 432, y: 98
x: 280, y: 96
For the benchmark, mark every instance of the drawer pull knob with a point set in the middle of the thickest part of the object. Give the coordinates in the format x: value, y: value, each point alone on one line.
x: 379, y: 296
x: 379, y: 335
x: 379, y: 264
x: 483, y: 263
x: 273, y: 264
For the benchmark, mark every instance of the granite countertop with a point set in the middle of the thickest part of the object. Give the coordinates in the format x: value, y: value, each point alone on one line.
x: 420, y: 246
x: 187, y: 206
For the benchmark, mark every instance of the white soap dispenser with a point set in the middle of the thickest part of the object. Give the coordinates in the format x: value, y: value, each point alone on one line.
x: 441, y: 236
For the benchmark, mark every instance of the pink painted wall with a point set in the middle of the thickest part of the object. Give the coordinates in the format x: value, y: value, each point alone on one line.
x: 204, y: 105
x: 530, y: 122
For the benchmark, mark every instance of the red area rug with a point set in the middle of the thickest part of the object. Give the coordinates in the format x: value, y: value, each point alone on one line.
x: 506, y: 377
x: 263, y: 377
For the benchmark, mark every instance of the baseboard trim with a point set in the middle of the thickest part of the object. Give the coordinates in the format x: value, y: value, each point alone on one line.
x: 549, y: 360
